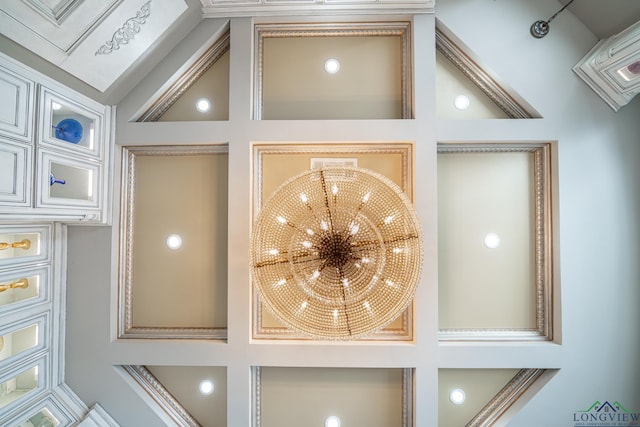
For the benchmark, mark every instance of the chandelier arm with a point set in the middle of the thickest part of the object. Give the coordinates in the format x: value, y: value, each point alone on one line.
x: 326, y: 200
x: 368, y: 243
x: 344, y: 299
x: 295, y: 227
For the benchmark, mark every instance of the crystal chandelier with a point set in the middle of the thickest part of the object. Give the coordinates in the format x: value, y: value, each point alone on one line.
x: 337, y: 252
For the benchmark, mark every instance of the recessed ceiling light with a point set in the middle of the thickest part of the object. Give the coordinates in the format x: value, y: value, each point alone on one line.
x: 332, y: 66
x: 174, y: 241
x: 332, y: 421
x: 206, y: 387
x: 461, y: 102
x: 492, y: 240
x: 203, y: 105
x: 457, y: 396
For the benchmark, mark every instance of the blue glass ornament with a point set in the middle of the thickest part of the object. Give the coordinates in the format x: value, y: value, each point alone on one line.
x: 53, y: 180
x: 69, y: 130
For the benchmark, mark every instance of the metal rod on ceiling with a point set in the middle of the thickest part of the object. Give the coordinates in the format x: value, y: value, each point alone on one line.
x: 539, y: 29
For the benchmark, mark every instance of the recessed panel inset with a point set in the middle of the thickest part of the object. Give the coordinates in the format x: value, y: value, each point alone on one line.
x: 43, y: 418
x: 354, y: 71
x: 15, y: 173
x: 19, y: 245
x: 69, y: 125
x: 293, y: 397
x: 16, y: 108
x: 24, y: 244
x: 67, y: 182
x: 494, y: 242
x: 279, y: 162
x: 14, y: 388
x: 175, y: 239
x: 18, y: 341
x: 70, y: 182
x: 21, y: 287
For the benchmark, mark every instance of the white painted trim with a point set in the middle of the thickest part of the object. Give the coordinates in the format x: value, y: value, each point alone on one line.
x: 98, y: 417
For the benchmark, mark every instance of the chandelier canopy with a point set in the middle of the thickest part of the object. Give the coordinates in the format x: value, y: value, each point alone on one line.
x: 337, y: 252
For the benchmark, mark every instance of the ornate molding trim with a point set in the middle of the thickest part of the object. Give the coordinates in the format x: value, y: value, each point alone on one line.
x: 487, y: 84
x: 187, y: 79
x: 404, y: 149
x: 543, y: 274
x: 160, y: 395
x: 242, y: 8
x: 127, y: 31
x: 126, y: 329
x: 506, y: 397
x: 397, y: 29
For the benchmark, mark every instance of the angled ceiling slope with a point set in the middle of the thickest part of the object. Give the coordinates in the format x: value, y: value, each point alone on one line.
x: 463, y: 392
x: 97, y: 40
x: 176, y: 392
x: 480, y: 76
x: 200, y: 79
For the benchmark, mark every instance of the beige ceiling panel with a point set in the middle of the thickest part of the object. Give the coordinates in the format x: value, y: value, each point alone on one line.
x: 370, y: 80
x: 485, y: 397
x: 175, y: 263
x: 493, y: 233
x: 294, y: 397
x: 200, y: 390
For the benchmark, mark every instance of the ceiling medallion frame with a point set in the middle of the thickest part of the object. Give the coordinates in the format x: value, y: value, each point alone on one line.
x: 337, y: 252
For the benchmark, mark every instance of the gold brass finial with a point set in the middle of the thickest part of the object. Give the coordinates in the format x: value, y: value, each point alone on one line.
x: 23, y: 244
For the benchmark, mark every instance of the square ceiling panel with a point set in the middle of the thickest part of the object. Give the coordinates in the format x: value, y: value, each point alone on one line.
x: 353, y: 71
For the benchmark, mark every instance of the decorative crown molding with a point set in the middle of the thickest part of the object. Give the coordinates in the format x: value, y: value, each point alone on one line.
x: 161, y: 396
x: 481, y: 79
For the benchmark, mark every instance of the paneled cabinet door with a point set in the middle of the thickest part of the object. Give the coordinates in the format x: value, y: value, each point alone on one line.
x: 67, y: 183
x: 74, y: 125
x: 16, y: 104
x: 15, y: 173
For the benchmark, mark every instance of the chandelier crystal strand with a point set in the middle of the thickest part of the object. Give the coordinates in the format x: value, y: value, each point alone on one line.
x: 337, y: 252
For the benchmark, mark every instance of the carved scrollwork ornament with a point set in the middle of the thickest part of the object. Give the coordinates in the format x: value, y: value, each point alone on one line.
x: 127, y: 31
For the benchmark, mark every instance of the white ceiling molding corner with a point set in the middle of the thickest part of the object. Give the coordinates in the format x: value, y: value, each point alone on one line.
x: 609, y: 68
x: 96, y: 41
